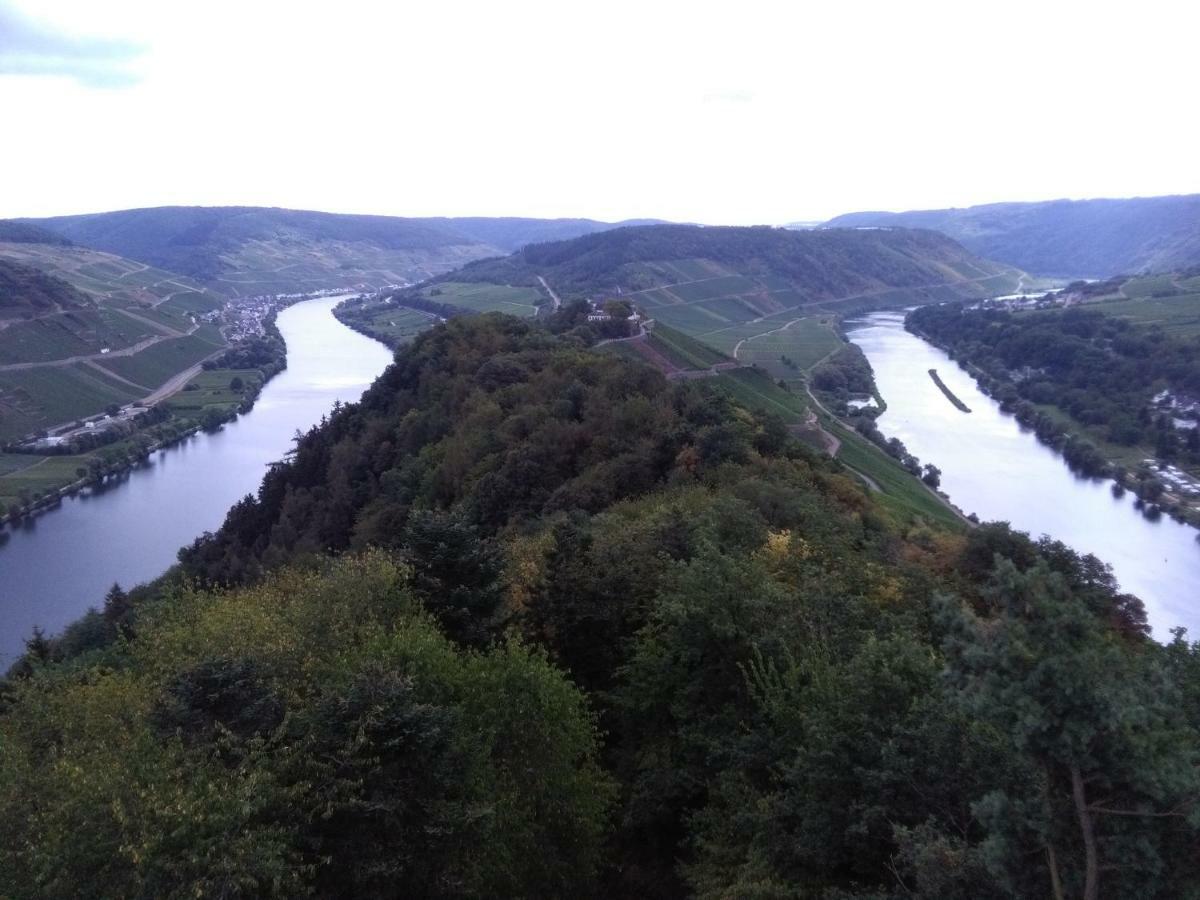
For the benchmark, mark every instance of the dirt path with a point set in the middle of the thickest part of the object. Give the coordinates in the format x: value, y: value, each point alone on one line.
x: 183, y: 289
x: 150, y: 323
x: 177, y: 382
x: 108, y: 374
x: 633, y: 337
x: 69, y: 360
x: 738, y: 345
x: 867, y: 479
x: 553, y: 296
x: 143, y: 268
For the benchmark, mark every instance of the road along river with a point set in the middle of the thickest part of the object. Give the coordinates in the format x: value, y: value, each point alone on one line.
x: 995, y: 468
x: 56, y: 565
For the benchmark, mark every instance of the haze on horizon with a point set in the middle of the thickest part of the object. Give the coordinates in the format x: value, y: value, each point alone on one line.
x: 684, y: 111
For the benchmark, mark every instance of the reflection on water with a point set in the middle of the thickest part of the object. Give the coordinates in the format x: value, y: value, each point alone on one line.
x: 995, y: 468
x: 128, y: 529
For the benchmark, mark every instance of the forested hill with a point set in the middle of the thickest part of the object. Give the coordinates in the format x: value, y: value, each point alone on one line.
x: 511, y: 233
x: 247, y: 250
x: 1065, y: 238
x: 25, y: 290
x: 14, y: 232
x: 617, y: 637
x: 820, y: 264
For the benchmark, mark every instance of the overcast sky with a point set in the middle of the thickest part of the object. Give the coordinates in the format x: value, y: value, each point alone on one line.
x: 727, y: 112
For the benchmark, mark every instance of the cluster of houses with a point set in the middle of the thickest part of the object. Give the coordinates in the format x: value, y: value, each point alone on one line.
x: 1185, y: 411
x: 1176, y: 480
x: 599, y: 311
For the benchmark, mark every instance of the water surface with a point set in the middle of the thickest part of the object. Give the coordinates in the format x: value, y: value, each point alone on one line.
x: 54, y: 566
x: 995, y: 468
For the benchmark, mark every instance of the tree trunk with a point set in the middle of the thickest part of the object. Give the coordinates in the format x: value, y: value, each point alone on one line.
x: 1055, y: 881
x: 1091, y: 883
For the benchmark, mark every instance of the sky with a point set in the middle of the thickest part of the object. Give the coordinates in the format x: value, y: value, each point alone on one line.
x: 733, y: 113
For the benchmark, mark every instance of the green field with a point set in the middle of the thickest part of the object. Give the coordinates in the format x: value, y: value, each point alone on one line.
x: 35, y: 474
x: 804, y: 342
x: 107, y: 277
x: 192, y: 302
x: 400, y: 324
x: 723, y: 309
x: 33, y: 399
x: 516, y: 301
x: 1148, y: 286
x: 686, y: 352
x: 284, y: 266
x: 755, y: 390
x: 710, y: 288
x: 212, y: 388
x: 76, y: 333
x: 1178, y: 315
x: 158, y: 363
x: 899, y: 491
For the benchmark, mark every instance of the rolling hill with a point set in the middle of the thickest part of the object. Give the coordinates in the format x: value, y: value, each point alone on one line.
x: 761, y: 297
x: 1065, y: 238
x: 244, y: 251
x: 713, y: 283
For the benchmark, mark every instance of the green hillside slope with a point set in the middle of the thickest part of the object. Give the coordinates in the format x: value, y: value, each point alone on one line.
x: 588, y: 632
x: 726, y: 284
x: 762, y: 297
x: 253, y: 250
x: 1065, y: 238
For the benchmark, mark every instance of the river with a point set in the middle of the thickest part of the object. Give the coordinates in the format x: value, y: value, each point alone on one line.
x: 995, y: 468
x: 54, y: 566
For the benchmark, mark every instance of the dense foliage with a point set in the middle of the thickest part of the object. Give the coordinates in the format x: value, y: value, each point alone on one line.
x: 1066, y: 238
x: 315, y: 736
x: 1101, y: 370
x: 14, y: 232
x: 823, y: 264
x: 592, y: 632
x: 28, y: 291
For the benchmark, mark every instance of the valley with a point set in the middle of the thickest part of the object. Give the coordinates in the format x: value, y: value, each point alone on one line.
x: 663, y: 459
x: 1065, y: 238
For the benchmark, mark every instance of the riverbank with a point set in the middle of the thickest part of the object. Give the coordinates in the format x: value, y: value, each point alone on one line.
x: 130, y: 527
x: 226, y: 386
x: 950, y: 395
x: 998, y: 470
x: 1135, y: 469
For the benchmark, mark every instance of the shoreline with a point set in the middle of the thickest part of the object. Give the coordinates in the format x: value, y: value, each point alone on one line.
x: 54, y: 496
x: 1122, y: 480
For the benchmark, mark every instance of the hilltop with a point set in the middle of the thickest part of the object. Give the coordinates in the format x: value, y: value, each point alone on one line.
x: 803, y: 267
x: 590, y: 632
x: 1065, y: 238
x: 242, y: 250
x: 723, y: 299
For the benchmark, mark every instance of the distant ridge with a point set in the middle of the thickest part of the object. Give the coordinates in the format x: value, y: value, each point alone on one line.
x: 246, y: 249
x: 1065, y: 238
x: 824, y: 264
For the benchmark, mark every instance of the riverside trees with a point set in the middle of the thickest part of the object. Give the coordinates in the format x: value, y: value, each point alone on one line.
x: 593, y: 632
